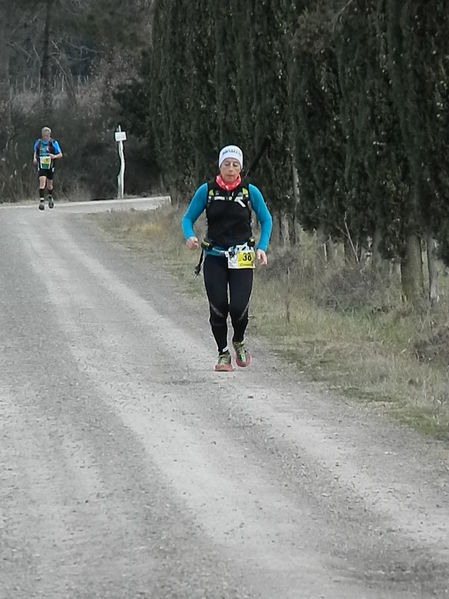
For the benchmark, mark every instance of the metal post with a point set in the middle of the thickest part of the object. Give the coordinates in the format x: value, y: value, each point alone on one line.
x: 120, y: 136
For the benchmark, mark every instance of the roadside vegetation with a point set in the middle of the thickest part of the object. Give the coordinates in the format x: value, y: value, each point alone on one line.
x: 350, y: 99
x: 338, y: 326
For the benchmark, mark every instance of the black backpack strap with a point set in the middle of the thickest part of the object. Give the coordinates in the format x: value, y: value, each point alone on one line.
x: 197, y: 269
x: 210, y: 185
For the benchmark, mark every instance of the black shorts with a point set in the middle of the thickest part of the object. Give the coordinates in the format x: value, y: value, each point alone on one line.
x: 46, y: 172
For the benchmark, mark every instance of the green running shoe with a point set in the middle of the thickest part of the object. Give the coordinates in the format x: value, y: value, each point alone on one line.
x: 224, y: 362
x: 242, y: 355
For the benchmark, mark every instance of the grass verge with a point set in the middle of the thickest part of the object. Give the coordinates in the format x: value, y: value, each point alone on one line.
x: 372, y: 350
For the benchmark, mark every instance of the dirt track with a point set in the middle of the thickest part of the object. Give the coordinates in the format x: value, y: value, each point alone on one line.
x: 129, y: 469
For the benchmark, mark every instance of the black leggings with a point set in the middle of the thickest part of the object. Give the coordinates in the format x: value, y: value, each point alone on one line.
x: 217, y: 278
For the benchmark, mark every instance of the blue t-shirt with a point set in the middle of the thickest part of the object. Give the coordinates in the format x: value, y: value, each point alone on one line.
x: 198, y: 204
x: 44, y: 146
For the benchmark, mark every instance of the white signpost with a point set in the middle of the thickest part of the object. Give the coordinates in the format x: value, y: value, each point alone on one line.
x: 120, y: 137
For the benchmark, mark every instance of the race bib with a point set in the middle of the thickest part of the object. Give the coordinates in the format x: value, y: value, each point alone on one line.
x: 45, y: 162
x: 241, y: 256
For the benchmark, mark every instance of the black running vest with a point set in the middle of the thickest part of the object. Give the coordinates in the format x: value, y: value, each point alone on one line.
x: 228, y: 215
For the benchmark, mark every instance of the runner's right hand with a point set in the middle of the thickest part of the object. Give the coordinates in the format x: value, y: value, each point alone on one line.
x: 192, y: 243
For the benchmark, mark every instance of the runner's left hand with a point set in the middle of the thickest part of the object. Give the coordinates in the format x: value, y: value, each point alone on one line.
x: 261, y: 257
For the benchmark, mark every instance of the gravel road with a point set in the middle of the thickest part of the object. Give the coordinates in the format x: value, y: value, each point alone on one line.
x: 129, y: 469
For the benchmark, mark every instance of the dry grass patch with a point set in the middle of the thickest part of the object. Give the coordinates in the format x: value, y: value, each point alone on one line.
x: 362, y: 344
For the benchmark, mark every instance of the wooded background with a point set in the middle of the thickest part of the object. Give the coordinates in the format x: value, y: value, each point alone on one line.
x: 353, y: 95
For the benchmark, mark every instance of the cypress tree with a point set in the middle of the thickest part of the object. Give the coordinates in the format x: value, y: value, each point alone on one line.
x: 157, y: 70
x: 178, y: 97
x: 376, y: 166
x: 226, y: 68
x: 418, y: 53
x: 320, y: 145
x: 418, y: 68
x: 200, y: 60
x: 169, y: 98
x: 179, y: 83
x: 272, y: 33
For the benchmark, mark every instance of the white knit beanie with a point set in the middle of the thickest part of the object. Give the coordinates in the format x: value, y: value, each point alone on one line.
x: 230, y: 152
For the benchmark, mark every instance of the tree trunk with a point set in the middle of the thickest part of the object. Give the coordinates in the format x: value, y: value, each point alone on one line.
x: 412, y: 280
x: 321, y: 239
x: 67, y: 78
x: 377, y: 256
x: 46, y: 88
x: 277, y: 227
x: 5, y: 104
x: 379, y: 265
x: 297, y: 200
x: 284, y: 230
x: 294, y: 227
x: 294, y: 232
x: 295, y: 178
x: 351, y: 257
x: 434, y: 296
x: 331, y: 251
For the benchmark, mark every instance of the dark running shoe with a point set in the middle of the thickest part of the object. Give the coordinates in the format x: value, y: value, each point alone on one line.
x: 51, y: 203
x: 41, y: 205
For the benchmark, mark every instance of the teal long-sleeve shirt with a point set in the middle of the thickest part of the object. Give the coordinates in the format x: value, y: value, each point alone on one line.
x: 198, y: 204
